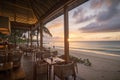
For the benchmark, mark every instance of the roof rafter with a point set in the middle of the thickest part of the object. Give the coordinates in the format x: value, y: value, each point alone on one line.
x: 16, y: 5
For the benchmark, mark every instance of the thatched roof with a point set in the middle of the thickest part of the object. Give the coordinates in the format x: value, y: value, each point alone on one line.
x: 33, y: 11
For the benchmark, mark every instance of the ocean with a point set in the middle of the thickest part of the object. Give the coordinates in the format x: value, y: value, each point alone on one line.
x: 108, y: 47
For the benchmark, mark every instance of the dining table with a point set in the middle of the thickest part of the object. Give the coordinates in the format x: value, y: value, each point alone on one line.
x: 51, y: 62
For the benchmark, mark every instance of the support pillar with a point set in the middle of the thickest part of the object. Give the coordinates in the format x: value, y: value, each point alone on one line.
x: 37, y: 37
x: 41, y: 35
x: 66, y: 34
x: 30, y: 38
x: 28, y: 41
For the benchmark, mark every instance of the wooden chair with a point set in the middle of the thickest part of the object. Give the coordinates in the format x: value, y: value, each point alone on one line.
x: 3, y: 57
x: 17, y: 59
x: 71, y: 60
x: 46, y: 55
x: 41, y: 70
x: 64, y: 71
x: 38, y: 55
x: 54, y: 53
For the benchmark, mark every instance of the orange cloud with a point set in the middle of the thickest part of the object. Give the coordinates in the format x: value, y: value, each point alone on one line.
x: 56, y: 25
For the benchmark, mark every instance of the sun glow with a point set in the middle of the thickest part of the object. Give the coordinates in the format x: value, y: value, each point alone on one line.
x: 69, y: 39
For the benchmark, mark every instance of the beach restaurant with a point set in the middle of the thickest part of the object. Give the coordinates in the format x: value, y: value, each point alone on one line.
x: 19, y: 18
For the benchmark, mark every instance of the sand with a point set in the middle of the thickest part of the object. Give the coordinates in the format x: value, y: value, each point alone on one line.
x: 104, y: 66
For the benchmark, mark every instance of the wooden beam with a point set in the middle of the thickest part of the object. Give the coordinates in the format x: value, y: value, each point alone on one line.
x: 35, y: 27
x: 33, y: 9
x: 19, y: 25
x: 66, y: 34
x: 38, y: 10
x: 20, y: 28
x: 1, y: 8
x: 53, y: 10
x: 18, y: 6
x: 58, y: 9
x: 41, y: 9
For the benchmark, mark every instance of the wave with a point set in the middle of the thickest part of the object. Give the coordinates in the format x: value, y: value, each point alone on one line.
x: 111, y: 51
x: 112, y: 47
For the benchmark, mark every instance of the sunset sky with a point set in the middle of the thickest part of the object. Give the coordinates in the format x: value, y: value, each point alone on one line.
x: 94, y: 20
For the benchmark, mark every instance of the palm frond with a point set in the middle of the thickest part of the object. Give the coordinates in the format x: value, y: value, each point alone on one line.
x: 46, y: 30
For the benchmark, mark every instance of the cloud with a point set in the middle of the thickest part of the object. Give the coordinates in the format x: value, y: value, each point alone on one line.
x: 56, y: 25
x: 107, y: 20
x: 106, y: 37
x: 102, y: 10
x: 84, y: 19
x: 96, y: 3
x: 111, y: 11
x: 80, y: 14
x: 113, y: 25
x: 57, y: 38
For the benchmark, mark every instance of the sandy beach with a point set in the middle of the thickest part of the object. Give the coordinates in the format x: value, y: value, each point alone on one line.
x: 104, y: 66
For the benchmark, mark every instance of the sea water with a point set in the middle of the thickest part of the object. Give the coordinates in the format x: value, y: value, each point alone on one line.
x: 109, y: 47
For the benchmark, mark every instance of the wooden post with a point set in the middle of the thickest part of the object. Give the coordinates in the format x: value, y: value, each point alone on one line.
x: 30, y: 37
x: 66, y: 34
x: 1, y: 8
x: 41, y: 35
x: 15, y: 30
x: 37, y: 36
x: 15, y: 38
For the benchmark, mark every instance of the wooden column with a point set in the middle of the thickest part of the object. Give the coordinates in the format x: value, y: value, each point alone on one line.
x: 37, y: 36
x: 30, y: 37
x: 14, y: 29
x: 1, y: 8
x: 66, y: 34
x: 41, y: 36
x: 15, y: 38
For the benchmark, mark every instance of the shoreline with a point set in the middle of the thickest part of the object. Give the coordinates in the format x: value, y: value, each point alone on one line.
x: 98, y: 54
x: 104, y: 67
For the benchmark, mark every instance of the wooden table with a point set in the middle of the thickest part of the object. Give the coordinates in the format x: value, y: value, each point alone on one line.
x: 6, y: 66
x: 52, y: 61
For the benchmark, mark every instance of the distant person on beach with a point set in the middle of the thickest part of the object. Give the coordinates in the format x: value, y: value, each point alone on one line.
x: 53, y: 47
